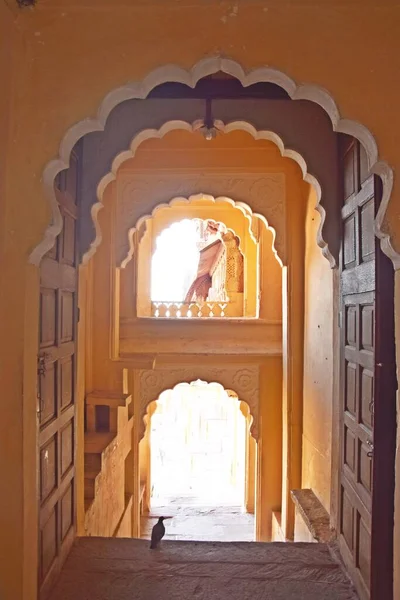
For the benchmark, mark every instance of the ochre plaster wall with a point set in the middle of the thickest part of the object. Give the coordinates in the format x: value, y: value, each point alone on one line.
x: 269, y: 492
x: 318, y: 364
x: 18, y: 346
x: 292, y: 343
x: 65, y: 59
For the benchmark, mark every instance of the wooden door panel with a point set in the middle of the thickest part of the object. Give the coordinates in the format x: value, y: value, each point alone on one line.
x: 367, y: 236
x: 56, y: 390
x: 67, y: 381
x: 363, y: 544
x: 67, y: 511
x: 363, y: 388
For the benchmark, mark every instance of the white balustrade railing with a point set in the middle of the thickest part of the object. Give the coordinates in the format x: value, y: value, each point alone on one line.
x: 189, y: 310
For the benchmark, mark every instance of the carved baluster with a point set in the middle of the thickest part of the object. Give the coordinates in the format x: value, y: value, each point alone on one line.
x: 206, y: 310
x: 194, y: 310
x: 178, y: 311
x: 155, y: 309
x: 162, y: 309
x: 201, y: 307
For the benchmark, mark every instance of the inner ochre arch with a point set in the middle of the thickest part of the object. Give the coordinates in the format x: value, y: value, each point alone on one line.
x: 192, y: 179
x: 197, y: 464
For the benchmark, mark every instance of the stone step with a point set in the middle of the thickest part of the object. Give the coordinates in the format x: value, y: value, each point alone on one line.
x: 89, y: 487
x: 122, y: 569
x: 92, y: 462
x: 111, y: 399
x: 96, y: 443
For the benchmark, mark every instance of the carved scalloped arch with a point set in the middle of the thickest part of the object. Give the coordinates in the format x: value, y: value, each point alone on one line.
x: 243, y: 381
x: 203, y: 68
x: 178, y: 200
x: 244, y: 408
x: 169, y: 126
x: 224, y: 228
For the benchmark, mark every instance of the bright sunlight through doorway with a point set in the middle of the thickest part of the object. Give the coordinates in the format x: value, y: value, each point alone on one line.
x: 198, y: 463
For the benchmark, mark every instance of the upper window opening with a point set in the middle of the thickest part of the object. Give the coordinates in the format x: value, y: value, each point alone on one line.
x: 197, y: 270
x: 190, y: 263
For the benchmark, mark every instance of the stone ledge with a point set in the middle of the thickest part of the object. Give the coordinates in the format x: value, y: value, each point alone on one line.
x: 313, y: 514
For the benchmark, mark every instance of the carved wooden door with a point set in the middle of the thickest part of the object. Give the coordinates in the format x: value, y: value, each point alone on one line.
x: 368, y: 386
x: 56, y: 388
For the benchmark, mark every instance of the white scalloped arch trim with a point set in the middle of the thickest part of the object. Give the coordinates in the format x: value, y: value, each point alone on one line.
x: 169, y: 126
x: 178, y: 200
x: 203, y: 68
x: 230, y: 393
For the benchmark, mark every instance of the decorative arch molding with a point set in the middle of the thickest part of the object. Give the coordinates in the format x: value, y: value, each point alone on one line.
x: 152, y: 406
x: 258, y: 203
x: 243, y: 382
x: 203, y: 68
x: 277, y: 214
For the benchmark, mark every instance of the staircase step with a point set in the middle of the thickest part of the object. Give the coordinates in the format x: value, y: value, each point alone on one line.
x: 123, y: 568
x: 90, y: 485
x: 92, y: 462
x: 95, y: 443
x: 108, y: 399
x: 91, y: 474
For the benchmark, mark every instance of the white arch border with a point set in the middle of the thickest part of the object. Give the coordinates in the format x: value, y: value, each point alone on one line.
x: 231, y: 394
x: 179, y: 200
x: 203, y: 68
x: 174, y: 125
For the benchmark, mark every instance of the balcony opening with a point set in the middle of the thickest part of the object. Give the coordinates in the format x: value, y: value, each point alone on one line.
x: 196, y: 463
x: 189, y: 268
x: 198, y: 269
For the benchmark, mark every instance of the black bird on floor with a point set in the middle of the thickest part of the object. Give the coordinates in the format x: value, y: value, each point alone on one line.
x: 157, y: 533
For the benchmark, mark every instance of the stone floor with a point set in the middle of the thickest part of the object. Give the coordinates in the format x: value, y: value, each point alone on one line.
x: 126, y: 569
x: 205, y: 524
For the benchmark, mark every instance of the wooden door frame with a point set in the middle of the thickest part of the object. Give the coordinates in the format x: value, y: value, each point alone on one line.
x: 383, y: 474
x: 67, y: 205
x: 384, y: 429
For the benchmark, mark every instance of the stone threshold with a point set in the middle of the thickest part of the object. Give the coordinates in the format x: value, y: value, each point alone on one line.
x: 313, y: 514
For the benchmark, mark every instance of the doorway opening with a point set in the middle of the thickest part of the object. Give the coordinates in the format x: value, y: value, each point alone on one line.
x: 194, y: 458
x: 383, y: 411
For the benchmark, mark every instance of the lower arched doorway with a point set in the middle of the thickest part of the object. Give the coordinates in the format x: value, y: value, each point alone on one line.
x: 197, y: 465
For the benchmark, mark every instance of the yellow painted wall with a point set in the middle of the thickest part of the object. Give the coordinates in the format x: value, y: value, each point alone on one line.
x: 269, y: 447
x: 292, y: 343
x: 18, y: 516
x: 105, y: 374
x: 318, y: 364
x: 270, y: 279
x: 65, y: 59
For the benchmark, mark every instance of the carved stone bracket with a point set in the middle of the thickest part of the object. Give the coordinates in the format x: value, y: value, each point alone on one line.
x: 243, y: 381
x: 139, y: 195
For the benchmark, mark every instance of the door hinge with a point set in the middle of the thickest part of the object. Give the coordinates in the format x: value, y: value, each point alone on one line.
x: 340, y: 319
x: 78, y: 314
